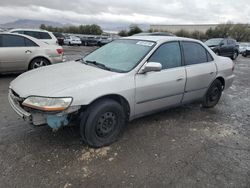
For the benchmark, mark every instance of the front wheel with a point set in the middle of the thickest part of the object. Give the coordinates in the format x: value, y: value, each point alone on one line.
x: 102, y: 123
x: 213, y: 94
x: 235, y: 55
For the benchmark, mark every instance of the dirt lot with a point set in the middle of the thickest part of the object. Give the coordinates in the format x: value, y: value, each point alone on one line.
x: 182, y: 147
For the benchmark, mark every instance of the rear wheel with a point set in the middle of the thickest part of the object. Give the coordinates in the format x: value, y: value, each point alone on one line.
x: 102, y: 123
x: 38, y: 62
x: 213, y: 94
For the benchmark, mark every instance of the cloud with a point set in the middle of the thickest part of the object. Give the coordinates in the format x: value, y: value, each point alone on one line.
x: 127, y: 11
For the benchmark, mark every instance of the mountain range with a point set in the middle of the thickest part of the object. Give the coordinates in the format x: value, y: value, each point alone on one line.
x: 28, y: 23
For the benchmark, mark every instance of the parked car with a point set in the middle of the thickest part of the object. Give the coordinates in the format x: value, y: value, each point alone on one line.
x: 224, y: 47
x: 247, y: 51
x: 89, y: 41
x: 21, y: 52
x: 104, y: 40
x: 242, y: 47
x: 123, y: 80
x: 42, y: 35
x: 72, y: 40
x: 60, y: 38
x: 155, y: 34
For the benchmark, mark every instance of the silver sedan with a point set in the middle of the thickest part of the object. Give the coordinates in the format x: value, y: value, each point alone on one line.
x: 126, y: 79
x: 20, y: 53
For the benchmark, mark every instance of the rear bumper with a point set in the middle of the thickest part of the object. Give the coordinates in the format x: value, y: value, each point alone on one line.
x: 57, y: 59
x: 229, y: 81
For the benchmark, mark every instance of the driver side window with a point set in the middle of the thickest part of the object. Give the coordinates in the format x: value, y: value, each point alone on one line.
x: 168, y: 54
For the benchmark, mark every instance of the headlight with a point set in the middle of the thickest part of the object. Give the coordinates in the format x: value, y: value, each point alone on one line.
x: 47, y: 104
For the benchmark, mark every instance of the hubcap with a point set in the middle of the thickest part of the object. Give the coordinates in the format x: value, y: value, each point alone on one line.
x: 106, y: 124
x: 214, y: 94
x: 38, y: 64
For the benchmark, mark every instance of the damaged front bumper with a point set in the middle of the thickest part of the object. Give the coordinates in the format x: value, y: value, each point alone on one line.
x: 54, y: 120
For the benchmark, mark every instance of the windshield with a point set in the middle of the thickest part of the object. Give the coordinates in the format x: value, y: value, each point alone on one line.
x: 121, y: 55
x: 213, y: 42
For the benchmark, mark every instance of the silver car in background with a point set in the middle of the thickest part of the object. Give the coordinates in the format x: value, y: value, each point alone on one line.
x: 20, y: 53
x: 123, y: 80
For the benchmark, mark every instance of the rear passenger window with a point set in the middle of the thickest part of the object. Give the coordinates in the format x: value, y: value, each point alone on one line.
x: 12, y: 41
x: 44, y: 35
x: 33, y: 34
x: 168, y: 54
x: 29, y: 43
x: 194, y: 53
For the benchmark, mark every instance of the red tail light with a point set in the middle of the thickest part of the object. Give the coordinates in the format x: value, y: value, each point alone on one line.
x: 59, y: 51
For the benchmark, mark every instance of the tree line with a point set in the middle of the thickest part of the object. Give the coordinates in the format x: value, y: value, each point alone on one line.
x: 81, y: 29
x: 240, y: 32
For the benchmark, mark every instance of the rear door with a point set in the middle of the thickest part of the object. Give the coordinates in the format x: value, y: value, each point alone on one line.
x: 156, y: 90
x: 201, y: 70
x: 14, y: 53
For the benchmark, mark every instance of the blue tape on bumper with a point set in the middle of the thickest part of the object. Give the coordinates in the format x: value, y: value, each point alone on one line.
x: 55, y: 122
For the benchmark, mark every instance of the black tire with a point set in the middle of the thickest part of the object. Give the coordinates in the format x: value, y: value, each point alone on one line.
x: 102, y: 123
x: 213, y: 94
x: 244, y: 54
x: 235, y: 55
x: 38, y: 62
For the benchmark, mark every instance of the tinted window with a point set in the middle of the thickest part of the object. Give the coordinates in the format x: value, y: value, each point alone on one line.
x: 224, y: 42
x: 20, y: 32
x: 209, y: 57
x: 28, y: 42
x: 1, y: 45
x: 169, y: 55
x: 44, y: 35
x: 194, y: 53
x: 12, y: 41
x: 32, y: 34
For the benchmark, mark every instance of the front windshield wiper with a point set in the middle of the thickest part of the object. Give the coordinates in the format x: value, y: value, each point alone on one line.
x: 100, y: 65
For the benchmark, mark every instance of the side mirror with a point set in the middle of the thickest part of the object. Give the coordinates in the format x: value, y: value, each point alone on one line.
x: 222, y: 44
x: 151, y: 66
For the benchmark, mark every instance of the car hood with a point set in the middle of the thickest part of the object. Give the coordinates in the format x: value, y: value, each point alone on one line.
x: 54, y: 79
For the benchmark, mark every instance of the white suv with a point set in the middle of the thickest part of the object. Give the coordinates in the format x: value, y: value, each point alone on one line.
x: 42, y: 35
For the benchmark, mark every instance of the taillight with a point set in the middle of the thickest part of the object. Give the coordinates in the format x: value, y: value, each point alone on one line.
x: 233, y: 66
x: 59, y: 51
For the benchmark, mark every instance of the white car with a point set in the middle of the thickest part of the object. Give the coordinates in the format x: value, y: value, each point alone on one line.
x: 43, y: 35
x: 123, y: 80
x: 72, y: 40
x: 20, y: 53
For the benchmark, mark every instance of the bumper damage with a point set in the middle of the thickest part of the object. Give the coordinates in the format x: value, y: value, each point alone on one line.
x: 53, y: 120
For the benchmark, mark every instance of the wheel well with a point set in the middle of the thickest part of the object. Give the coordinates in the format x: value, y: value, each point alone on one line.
x: 118, y: 98
x: 222, y: 81
x: 37, y: 58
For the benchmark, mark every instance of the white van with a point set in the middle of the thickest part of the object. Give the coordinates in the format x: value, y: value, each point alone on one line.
x: 43, y: 35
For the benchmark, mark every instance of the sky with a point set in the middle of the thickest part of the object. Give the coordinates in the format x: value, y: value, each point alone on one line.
x: 127, y: 11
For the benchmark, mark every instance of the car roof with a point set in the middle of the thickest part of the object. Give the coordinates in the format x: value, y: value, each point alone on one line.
x: 41, y: 30
x: 160, y: 38
x: 37, y: 41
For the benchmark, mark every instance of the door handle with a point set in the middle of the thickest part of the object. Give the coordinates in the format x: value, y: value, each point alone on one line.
x: 28, y: 52
x: 180, y: 79
x: 211, y: 72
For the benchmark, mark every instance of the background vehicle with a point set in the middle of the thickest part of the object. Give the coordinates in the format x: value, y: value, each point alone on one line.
x: 60, y: 38
x: 242, y: 47
x: 154, y: 34
x: 72, y: 40
x: 89, y: 41
x: 224, y: 47
x: 104, y: 40
x: 21, y: 52
x: 247, y: 51
x: 156, y: 72
x: 42, y: 35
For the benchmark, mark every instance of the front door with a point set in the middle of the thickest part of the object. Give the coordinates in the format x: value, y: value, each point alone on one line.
x: 157, y: 90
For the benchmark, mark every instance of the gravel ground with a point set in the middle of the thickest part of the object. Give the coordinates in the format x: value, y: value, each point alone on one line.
x: 183, y: 147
